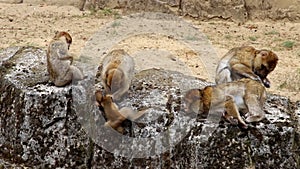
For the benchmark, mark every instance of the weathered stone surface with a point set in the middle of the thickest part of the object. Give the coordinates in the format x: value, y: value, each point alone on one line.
x: 238, y: 11
x: 42, y: 126
x: 11, y: 1
x: 273, y: 9
x: 223, y: 9
x: 131, y: 5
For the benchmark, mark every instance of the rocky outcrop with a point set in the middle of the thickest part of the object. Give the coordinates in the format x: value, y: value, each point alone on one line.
x: 226, y: 10
x: 238, y: 11
x: 11, y: 1
x: 43, y: 126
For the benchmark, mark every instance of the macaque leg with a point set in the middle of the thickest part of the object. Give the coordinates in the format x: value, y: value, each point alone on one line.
x: 254, y: 105
x: 232, y: 111
x: 63, y: 80
x: 77, y: 74
x: 115, y: 125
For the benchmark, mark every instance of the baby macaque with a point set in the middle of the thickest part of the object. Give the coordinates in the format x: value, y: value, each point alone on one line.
x: 114, y: 115
x: 244, y: 95
x: 117, y: 73
x: 59, y: 66
x: 246, y: 62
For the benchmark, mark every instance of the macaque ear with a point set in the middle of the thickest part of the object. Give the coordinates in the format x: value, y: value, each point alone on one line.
x: 264, y: 54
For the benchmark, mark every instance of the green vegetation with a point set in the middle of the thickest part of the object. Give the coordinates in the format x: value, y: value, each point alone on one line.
x: 253, y: 38
x: 191, y: 38
x: 115, y: 24
x: 273, y: 32
x: 110, y: 12
x: 100, y: 13
x: 288, y: 44
x: 283, y: 85
x: 228, y: 37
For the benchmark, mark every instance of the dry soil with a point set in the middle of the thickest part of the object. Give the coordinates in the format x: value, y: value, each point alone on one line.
x: 27, y: 24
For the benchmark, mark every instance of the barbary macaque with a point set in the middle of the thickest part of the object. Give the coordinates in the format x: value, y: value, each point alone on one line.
x: 117, y: 73
x: 229, y: 99
x: 114, y: 115
x: 246, y: 62
x: 59, y: 62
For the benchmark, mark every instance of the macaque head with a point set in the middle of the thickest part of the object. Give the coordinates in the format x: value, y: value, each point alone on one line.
x: 66, y: 35
x: 265, y: 62
x: 192, y: 100
x: 107, y: 100
x: 114, y: 79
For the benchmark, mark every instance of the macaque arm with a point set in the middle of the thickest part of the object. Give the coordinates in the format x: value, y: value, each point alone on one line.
x: 63, y: 55
x: 244, y: 71
x: 70, y: 58
x: 232, y: 111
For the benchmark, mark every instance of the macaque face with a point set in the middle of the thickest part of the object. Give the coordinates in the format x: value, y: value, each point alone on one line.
x: 106, y: 100
x: 264, y: 63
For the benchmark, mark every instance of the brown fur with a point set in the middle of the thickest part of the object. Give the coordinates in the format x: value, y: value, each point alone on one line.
x: 246, y: 62
x: 245, y: 95
x: 114, y: 115
x: 59, y: 66
x: 117, y: 72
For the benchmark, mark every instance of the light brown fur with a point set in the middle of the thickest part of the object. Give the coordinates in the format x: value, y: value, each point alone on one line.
x: 117, y: 73
x: 114, y: 115
x: 245, y: 95
x: 246, y: 62
x: 59, y: 66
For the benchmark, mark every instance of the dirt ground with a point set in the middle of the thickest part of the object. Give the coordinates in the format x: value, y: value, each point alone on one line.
x: 26, y: 24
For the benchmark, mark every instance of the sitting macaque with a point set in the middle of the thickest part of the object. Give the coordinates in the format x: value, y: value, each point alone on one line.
x: 59, y: 63
x: 114, y: 115
x: 246, y: 62
x: 117, y: 73
x: 229, y: 99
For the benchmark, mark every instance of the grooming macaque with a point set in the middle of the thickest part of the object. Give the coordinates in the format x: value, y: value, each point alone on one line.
x: 114, y: 115
x: 59, y: 66
x: 245, y: 95
x: 246, y: 62
x: 117, y: 73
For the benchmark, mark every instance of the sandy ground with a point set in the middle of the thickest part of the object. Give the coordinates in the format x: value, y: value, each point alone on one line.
x: 26, y: 24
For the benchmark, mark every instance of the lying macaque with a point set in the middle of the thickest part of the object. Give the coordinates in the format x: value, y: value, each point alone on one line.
x: 245, y: 95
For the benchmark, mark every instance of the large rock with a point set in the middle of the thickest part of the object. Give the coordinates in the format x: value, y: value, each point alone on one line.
x: 43, y: 126
x: 273, y: 9
x: 238, y: 11
x: 222, y: 9
x: 11, y: 1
